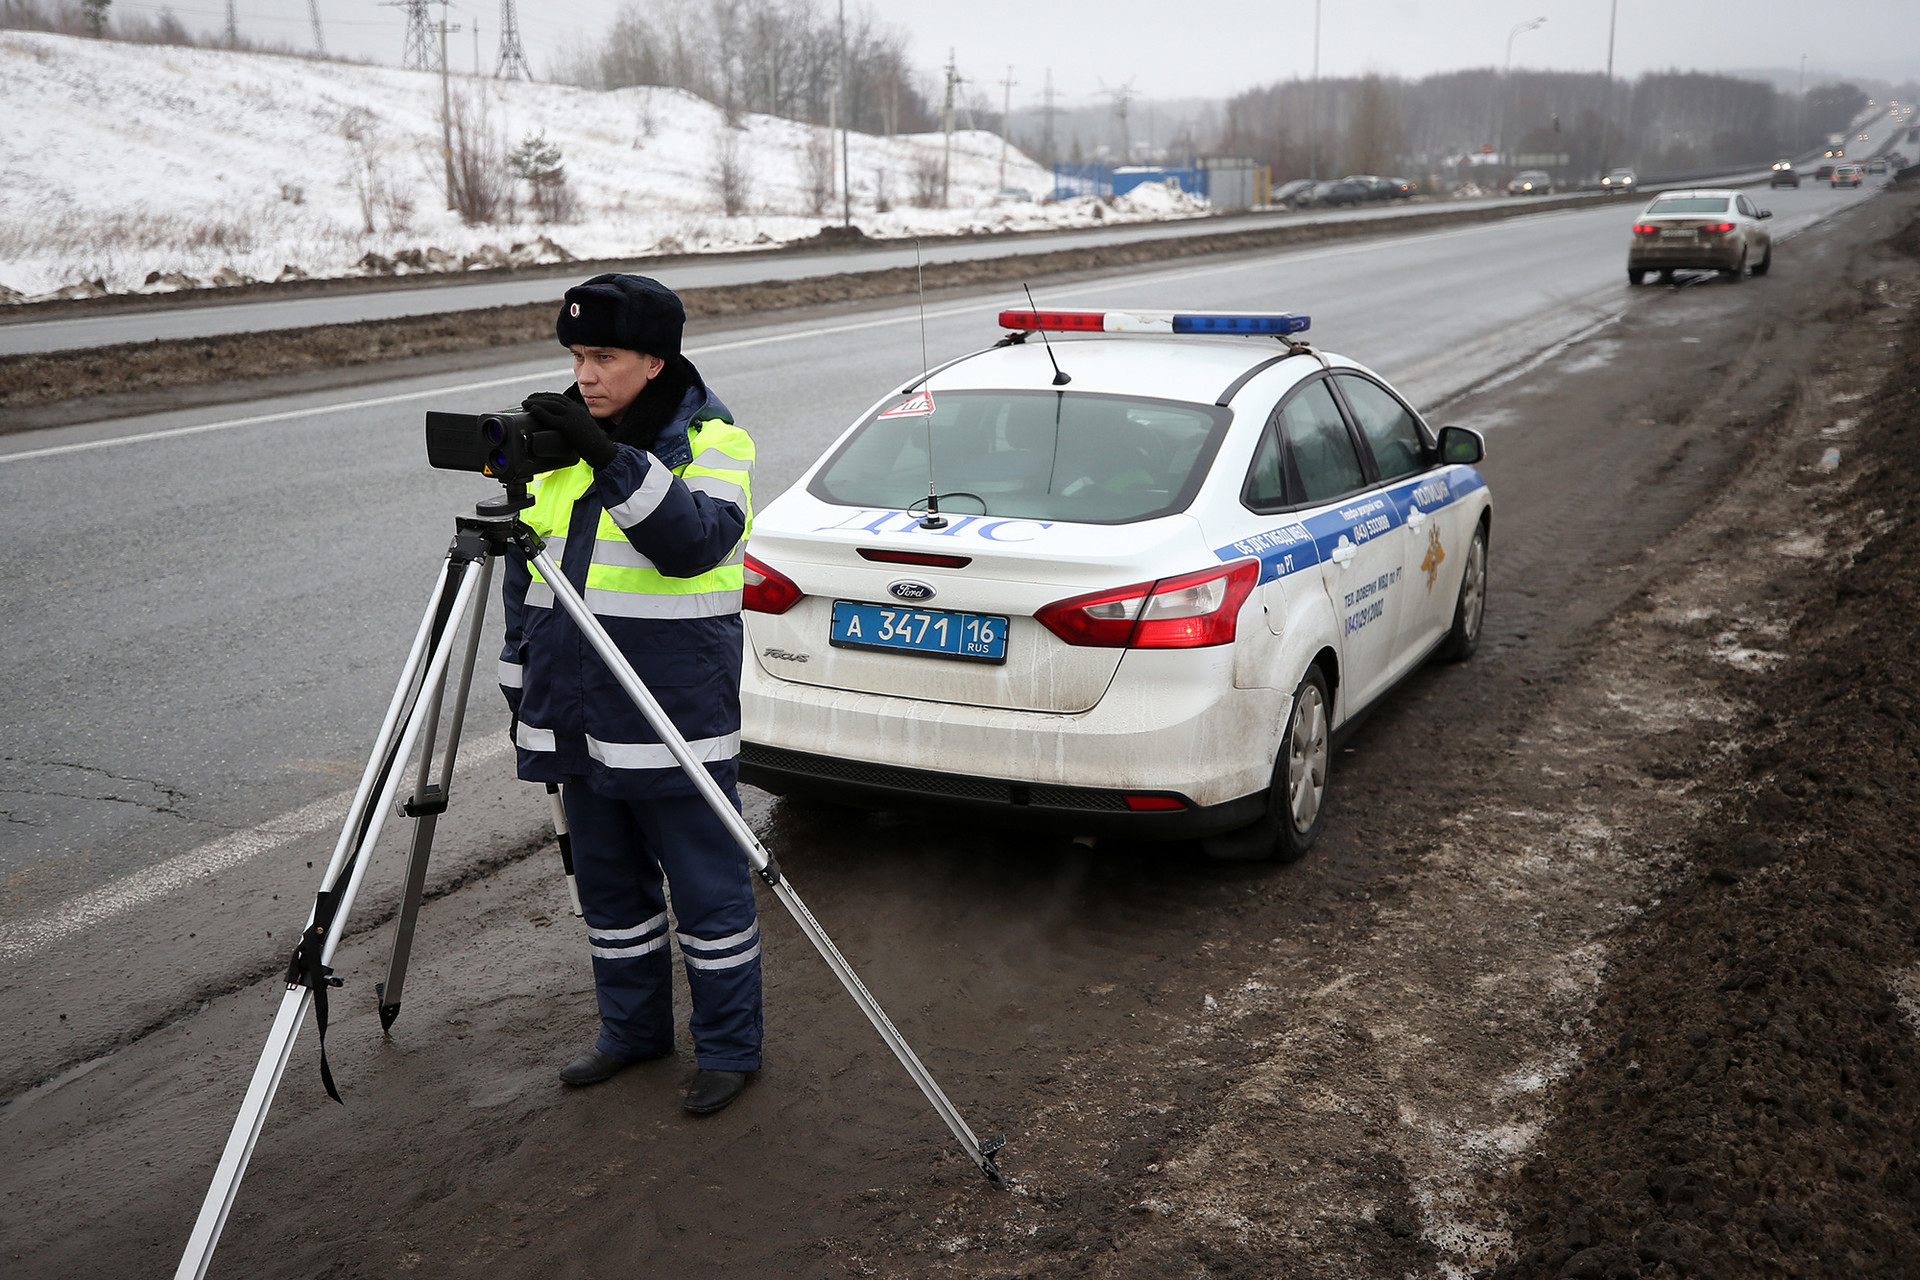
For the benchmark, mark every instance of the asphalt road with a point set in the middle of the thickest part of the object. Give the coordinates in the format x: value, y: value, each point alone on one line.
x: 207, y: 608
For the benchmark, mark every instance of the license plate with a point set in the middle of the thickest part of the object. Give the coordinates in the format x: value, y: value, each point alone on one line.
x: 1678, y: 235
x: 971, y: 637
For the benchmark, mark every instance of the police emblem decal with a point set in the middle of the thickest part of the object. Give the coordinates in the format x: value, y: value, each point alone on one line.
x: 573, y: 309
x: 911, y: 591
x: 1431, y: 564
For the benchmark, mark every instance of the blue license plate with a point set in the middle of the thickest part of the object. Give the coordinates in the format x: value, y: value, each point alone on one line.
x: 971, y: 637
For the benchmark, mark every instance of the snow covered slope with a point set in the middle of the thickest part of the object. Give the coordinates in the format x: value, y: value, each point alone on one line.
x: 122, y: 162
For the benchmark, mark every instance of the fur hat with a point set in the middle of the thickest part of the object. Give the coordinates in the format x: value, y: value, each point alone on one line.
x: 634, y: 313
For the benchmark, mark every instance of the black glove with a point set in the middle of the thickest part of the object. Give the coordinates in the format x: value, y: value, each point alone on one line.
x: 554, y: 412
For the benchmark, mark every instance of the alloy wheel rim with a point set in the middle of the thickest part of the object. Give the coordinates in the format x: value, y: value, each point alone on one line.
x: 1475, y: 595
x: 1307, y: 758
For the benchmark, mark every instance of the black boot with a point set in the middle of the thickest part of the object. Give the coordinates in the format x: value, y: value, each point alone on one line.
x: 712, y: 1090
x: 592, y: 1067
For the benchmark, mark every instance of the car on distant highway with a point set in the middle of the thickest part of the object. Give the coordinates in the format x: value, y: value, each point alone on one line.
x: 1834, y: 153
x: 1878, y: 164
x: 1846, y: 175
x: 1402, y: 188
x: 1785, y: 174
x: 1619, y: 180
x: 1172, y: 562
x: 1298, y: 191
x: 1344, y: 191
x: 1531, y: 182
x: 1700, y: 231
x: 1824, y: 172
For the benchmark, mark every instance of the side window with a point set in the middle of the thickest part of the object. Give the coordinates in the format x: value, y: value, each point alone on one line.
x: 1746, y: 207
x: 1266, y: 482
x: 1323, y: 456
x: 1389, y: 426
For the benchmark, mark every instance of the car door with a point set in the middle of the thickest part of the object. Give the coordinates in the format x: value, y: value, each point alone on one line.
x: 1312, y: 460
x: 1757, y: 235
x: 1404, y: 460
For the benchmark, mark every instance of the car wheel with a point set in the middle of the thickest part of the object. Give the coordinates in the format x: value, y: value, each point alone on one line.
x: 1766, y: 263
x: 1470, y: 610
x: 1635, y: 275
x: 1739, y: 272
x: 1666, y: 277
x: 1296, y: 800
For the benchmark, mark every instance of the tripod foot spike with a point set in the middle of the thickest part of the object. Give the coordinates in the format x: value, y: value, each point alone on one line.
x: 388, y: 1012
x: 989, y: 1168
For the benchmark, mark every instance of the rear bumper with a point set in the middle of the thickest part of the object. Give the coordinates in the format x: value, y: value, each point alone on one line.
x: 1684, y: 257
x: 1071, y: 810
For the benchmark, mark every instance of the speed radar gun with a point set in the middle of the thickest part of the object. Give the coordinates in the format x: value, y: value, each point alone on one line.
x: 507, y: 447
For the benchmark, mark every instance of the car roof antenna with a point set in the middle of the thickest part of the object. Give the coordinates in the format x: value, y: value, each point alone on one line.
x: 933, y: 519
x: 1060, y: 379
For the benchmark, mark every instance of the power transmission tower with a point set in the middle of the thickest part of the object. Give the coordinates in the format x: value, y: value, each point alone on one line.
x: 512, y: 64
x: 319, y: 40
x: 419, y: 56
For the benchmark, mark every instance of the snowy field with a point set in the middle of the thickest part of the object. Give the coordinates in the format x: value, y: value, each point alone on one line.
x: 150, y: 168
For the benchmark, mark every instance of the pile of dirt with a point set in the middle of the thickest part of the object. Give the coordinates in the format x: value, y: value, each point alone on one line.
x: 79, y: 377
x: 1749, y: 1102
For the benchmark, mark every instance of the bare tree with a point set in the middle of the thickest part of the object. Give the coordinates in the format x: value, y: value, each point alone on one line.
x: 481, y: 183
x: 929, y: 182
x: 820, y: 169
x: 729, y: 173
x: 1373, y: 142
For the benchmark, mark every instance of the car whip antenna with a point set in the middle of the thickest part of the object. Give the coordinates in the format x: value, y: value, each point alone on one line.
x: 933, y: 519
x: 1060, y: 379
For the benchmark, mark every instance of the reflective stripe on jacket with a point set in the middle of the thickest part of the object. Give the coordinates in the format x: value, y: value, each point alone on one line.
x: 654, y: 542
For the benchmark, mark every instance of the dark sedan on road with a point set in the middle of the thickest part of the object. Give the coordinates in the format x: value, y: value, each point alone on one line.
x: 1784, y: 174
x: 1700, y: 231
x: 1345, y: 191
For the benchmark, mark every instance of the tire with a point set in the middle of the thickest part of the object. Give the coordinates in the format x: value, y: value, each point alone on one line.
x: 1766, y: 263
x: 1739, y: 272
x: 1470, y: 609
x: 1666, y: 277
x: 1299, y: 786
x: 1635, y: 275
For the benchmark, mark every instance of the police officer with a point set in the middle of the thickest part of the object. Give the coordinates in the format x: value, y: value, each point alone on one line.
x: 650, y: 526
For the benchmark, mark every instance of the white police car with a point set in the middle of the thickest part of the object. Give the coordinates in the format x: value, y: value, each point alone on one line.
x: 1158, y: 583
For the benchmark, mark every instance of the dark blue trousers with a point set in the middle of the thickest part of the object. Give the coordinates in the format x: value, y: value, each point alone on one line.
x: 628, y: 855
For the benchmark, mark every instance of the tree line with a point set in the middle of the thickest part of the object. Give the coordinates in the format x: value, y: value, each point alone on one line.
x: 779, y: 57
x: 1661, y: 122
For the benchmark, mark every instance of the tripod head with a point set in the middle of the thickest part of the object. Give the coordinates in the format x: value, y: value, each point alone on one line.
x: 515, y: 498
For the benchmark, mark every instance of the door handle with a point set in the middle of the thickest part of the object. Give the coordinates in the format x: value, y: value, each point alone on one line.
x: 1344, y: 551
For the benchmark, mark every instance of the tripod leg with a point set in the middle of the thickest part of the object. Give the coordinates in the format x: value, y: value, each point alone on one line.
x: 429, y: 801
x: 357, y: 841
x: 981, y: 1153
x: 564, y: 835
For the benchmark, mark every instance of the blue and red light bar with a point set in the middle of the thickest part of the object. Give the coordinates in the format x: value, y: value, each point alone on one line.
x: 1232, y: 322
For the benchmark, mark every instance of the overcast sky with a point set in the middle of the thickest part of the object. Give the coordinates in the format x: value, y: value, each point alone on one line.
x: 1211, y: 48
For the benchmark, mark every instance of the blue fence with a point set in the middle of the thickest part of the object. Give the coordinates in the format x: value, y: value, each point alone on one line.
x: 1070, y: 180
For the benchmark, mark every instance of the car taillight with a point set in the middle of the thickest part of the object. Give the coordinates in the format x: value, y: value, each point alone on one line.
x: 1718, y: 226
x: 1645, y: 229
x: 768, y: 590
x: 1191, y: 611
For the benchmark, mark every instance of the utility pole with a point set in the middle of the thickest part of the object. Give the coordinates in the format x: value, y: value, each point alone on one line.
x: 233, y: 27
x: 1506, y: 78
x: 846, y: 170
x: 946, y: 124
x: 446, y: 100
x: 1006, y: 110
x: 319, y: 41
x: 1313, y: 128
x: 512, y: 62
x: 1047, y: 140
x: 1606, y: 115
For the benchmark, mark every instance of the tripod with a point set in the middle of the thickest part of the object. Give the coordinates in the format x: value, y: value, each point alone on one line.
x: 409, y: 730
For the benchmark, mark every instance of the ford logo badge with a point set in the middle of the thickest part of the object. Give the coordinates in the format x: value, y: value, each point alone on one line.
x: 910, y: 591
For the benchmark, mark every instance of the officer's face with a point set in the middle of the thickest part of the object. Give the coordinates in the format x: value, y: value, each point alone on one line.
x: 611, y: 378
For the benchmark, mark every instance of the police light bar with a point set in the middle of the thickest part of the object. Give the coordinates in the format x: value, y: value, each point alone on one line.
x: 1246, y: 322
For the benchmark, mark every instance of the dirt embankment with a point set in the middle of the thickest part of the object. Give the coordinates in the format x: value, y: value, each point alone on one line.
x: 1749, y: 1103
x: 241, y: 360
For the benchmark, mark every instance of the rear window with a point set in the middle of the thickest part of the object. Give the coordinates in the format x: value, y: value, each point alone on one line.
x: 1040, y: 455
x: 1690, y: 204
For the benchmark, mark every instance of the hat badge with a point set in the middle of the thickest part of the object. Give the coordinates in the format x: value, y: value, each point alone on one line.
x: 574, y: 309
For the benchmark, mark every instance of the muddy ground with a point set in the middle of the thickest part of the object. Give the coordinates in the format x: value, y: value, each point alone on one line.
x: 1604, y: 966
x: 137, y: 377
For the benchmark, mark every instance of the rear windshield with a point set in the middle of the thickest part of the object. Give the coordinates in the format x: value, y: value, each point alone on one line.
x: 1040, y: 455
x: 1690, y: 204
